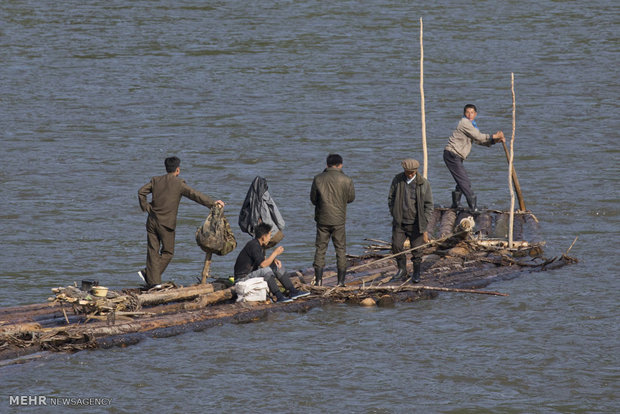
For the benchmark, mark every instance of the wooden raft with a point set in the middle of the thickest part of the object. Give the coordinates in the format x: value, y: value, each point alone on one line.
x: 466, y: 256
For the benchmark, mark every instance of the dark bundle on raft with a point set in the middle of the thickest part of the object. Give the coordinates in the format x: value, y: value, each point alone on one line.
x: 464, y: 260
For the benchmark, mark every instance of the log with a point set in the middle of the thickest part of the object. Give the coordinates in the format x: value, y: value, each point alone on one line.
x: 26, y: 310
x: 484, y: 224
x: 446, y: 226
x: 502, y: 243
x: 103, y: 328
x: 326, y: 291
x: 180, y: 294
x: 432, y: 223
x: 517, y: 231
x: 379, y: 241
x: 202, y: 302
x: 12, y: 329
x: 366, y: 279
x: 501, y: 226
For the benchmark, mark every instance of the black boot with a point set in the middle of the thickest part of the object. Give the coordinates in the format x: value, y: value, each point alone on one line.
x: 341, y: 275
x: 415, y: 277
x: 456, y: 199
x: 318, y: 276
x: 472, y: 203
x: 402, y: 270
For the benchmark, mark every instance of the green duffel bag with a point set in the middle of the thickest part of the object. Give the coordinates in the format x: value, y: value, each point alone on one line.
x: 215, y: 235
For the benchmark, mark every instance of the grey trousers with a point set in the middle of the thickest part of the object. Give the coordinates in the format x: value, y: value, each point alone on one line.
x: 269, y: 274
x: 456, y: 168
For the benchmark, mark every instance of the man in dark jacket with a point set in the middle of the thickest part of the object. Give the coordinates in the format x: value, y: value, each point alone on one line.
x: 166, y: 192
x: 411, y: 205
x: 331, y: 191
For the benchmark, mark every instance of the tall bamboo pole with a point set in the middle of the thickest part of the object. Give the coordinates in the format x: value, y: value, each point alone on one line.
x: 510, y: 169
x: 515, y: 181
x: 424, y: 151
x: 206, y: 267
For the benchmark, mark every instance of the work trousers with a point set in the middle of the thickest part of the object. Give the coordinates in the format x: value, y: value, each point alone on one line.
x: 402, y: 232
x: 269, y: 274
x: 456, y: 168
x: 160, y: 249
x: 339, y: 237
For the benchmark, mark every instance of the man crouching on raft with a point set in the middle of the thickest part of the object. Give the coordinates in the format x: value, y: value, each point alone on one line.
x: 251, y: 263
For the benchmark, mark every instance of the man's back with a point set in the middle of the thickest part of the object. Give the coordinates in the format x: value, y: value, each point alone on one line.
x: 166, y: 195
x: 166, y: 198
x: 331, y: 191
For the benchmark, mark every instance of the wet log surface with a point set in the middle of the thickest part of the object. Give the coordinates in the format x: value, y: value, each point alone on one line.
x: 75, y: 320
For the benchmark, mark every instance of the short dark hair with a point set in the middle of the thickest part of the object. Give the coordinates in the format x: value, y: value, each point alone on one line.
x: 333, y: 159
x: 469, y: 106
x: 172, y: 163
x: 261, y: 229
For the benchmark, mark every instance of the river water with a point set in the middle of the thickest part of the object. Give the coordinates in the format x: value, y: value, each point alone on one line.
x: 94, y: 95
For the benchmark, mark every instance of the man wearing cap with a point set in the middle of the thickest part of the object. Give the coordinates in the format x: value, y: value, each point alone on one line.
x: 411, y: 205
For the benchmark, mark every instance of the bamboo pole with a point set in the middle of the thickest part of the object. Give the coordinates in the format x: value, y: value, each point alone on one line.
x: 206, y: 267
x: 571, y: 245
x: 510, y: 161
x: 515, y: 181
x: 424, y: 150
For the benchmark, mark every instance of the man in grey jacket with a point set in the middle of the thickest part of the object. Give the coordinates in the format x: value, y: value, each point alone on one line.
x: 410, y: 201
x: 459, y: 147
x: 331, y: 191
x: 166, y: 191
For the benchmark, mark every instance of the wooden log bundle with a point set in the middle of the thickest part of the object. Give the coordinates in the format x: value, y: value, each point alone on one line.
x: 461, y: 263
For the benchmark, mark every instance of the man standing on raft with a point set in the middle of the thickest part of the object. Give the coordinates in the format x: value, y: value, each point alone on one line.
x: 166, y: 192
x: 330, y: 193
x: 459, y: 147
x: 411, y: 205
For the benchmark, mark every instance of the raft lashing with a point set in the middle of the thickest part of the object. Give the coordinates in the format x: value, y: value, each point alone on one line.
x: 468, y: 253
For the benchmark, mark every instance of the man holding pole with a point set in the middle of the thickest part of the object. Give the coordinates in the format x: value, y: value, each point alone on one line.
x: 459, y: 147
x: 411, y: 205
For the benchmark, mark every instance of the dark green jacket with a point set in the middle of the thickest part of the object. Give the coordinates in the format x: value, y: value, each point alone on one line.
x: 331, y: 191
x: 424, y: 197
x: 166, y: 191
